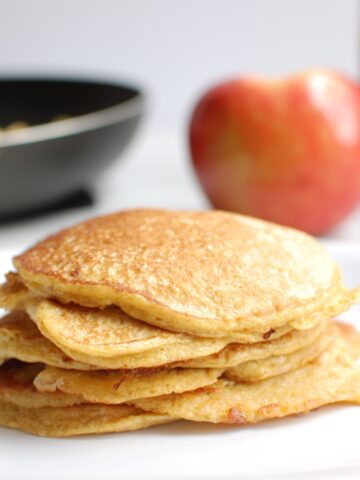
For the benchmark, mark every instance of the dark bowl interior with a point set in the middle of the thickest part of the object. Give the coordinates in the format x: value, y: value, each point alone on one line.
x: 51, y: 160
x: 37, y: 101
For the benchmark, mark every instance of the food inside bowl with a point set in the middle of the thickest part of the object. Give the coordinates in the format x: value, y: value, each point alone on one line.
x: 20, y: 124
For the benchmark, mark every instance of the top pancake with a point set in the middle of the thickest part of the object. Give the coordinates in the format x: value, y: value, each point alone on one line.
x: 203, y: 273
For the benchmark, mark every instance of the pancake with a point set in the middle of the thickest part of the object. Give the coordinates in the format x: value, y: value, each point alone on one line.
x: 239, y: 353
x: 13, y: 293
x: 15, y: 296
x: 104, y: 337
x: 115, y: 387
x: 21, y: 339
x: 78, y: 420
x: 16, y: 387
x: 111, y: 333
x: 256, y: 370
x: 212, y: 274
x: 333, y: 377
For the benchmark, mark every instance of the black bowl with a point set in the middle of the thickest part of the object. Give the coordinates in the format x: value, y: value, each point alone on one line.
x: 49, y: 160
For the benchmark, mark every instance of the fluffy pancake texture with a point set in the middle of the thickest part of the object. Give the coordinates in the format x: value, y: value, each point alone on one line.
x: 239, y: 353
x: 123, y: 386
x: 256, y: 370
x: 110, y: 333
x: 107, y: 338
x: 78, y: 420
x: 14, y: 295
x: 21, y: 339
x: 58, y: 414
x: 333, y: 377
x: 211, y: 274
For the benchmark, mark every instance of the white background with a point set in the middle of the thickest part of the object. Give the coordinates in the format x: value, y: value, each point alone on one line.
x: 175, y: 49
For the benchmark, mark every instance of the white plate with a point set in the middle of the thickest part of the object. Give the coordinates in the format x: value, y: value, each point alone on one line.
x: 321, y: 445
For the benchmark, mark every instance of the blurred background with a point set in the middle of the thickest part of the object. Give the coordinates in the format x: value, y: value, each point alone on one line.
x: 174, y: 51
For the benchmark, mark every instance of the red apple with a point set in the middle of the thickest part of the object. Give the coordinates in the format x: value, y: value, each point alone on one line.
x: 286, y: 151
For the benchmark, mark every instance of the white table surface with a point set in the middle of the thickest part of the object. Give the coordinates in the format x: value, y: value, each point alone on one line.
x: 154, y: 171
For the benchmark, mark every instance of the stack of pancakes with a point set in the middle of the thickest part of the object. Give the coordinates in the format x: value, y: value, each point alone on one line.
x: 148, y: 316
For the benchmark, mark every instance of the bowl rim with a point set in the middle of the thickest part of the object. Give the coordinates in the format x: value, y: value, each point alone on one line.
x: 125, y: 110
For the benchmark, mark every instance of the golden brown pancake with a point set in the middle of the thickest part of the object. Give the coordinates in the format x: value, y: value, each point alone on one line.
x: 115, y: 387
x: 239, y: 353
x: 108, y: 338
x: 256, y: 370
x: 110, y: 333
x: 78, y: 420
x: 15, y: 296
x: 333, y: 377
x: 16, y: 387
x: 211, y: 274
x: 21, y: 339
x: 34, y: 386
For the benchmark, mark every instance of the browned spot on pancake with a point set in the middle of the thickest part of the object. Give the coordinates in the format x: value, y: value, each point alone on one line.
x: 13, y: 283
x: 117, y: 385
x: 235, y: 416
x: 75, y: 272
x: 208, y: 389
x: 268, y: 334
x: 268, y: 409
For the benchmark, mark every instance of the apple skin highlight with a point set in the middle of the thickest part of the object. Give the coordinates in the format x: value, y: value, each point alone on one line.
x: 286, y: 151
